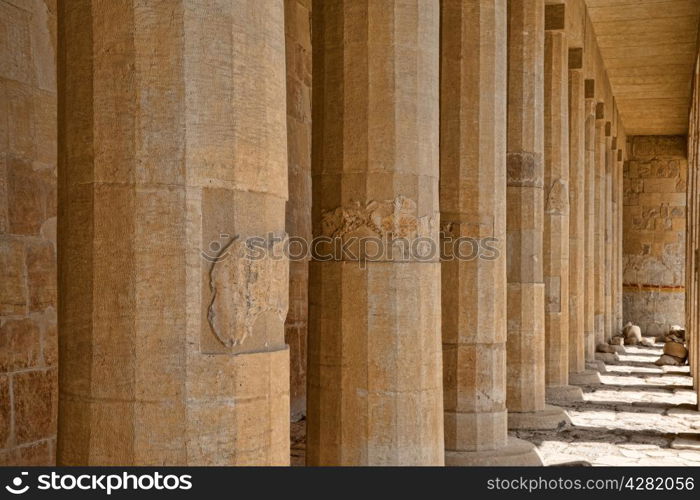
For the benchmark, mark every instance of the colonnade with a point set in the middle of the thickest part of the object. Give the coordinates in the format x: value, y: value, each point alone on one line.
x: 477, y: 119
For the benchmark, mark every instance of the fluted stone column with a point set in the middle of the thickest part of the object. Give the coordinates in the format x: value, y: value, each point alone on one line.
x: 172, y: 151
x: 590, y: 229
x: 472, y: 190
x: 600, y: 147
x: 620, y: 231
x: 556, y: 209
x: 609, y: 209
x: 375, y: 353
x: 613, y: 236
x: 578, y: 223
x: 525, y: 224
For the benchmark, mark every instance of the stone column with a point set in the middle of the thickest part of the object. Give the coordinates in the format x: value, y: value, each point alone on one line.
x: 620, y: 230
x: 600, y: 218
x: 172, y: 152
x: 472, y: 190
x: 556, y: 208
x: 613, y: 237
x: 578, y: 223
x: 525, y: 224
x: 590, y: 167
x: 375, y: 354
x: 298, y: 213
x: 609, y: 210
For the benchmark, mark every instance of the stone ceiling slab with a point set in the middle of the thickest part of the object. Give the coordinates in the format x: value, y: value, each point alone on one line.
x: 649, y: 48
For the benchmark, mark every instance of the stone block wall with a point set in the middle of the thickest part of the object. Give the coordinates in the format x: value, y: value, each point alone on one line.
x: 655, y: 180
x: 298, y: 214
x: 28, y: 339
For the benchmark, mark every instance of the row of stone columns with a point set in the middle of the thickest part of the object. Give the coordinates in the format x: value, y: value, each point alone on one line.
x: 173, y: 154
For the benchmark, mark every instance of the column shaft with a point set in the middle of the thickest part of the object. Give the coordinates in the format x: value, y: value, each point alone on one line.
x: 556, y: 209
x: 375, y: 354
x: 172, y: 151
x: 525, y: 206
x: 590, y: 168
x: 577, y: 214
x: 472, y: 190
x: 525, y: 220
x: 600, y: 223
x: 609, y: 210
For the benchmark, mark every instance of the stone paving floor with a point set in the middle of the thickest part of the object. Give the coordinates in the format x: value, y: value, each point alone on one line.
x: 642, y: 414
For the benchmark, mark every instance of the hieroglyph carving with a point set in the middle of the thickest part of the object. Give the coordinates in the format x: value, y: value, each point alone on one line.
x: 245, y: 285
x: 397, y: 218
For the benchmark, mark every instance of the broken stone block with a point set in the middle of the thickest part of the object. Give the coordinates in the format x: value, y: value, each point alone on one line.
x: 648, y: 341
x: 668, y: 360
x: 632, y: 331
x: 617, y: 340
x: 607, y: 357
x: 675, y: 349
x: 632, y: 341
x: 677, y: 329
x: 604, y: 348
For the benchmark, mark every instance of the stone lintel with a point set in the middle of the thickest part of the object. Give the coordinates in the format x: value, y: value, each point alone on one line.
x: 555, y: 17
x: 589, y: 88
x: 600, y: 111
x: 576, y: 58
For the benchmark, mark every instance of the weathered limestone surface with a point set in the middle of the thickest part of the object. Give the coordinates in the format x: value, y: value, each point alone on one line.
x: 375, y: 354
x: 577, y: 212
x: 655, y: 230
x: 472, y: 190
x: 28, y: 340
x: 297, y: 27
x: 525, y: 215
x: 172, y: 152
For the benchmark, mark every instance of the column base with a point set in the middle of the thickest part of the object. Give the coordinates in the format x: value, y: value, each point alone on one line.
x: 586, y: 377
x: 516, y: 453
x: 552, y: 417
x: 596, y: 365
x: 563, y: 393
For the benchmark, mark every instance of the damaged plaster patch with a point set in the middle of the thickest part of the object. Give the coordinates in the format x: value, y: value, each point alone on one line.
x: 243, y: 288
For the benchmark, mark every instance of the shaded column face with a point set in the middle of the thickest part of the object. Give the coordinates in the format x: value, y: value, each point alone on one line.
x: 472, y: 190
x: 590, y: 224
x: 297, y: 25
x: 556, y: 209
x: 525, y: 206
x: 375, y: 353
x: 577, y: 216
x: 172, y: 155
x: 599, y: 271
